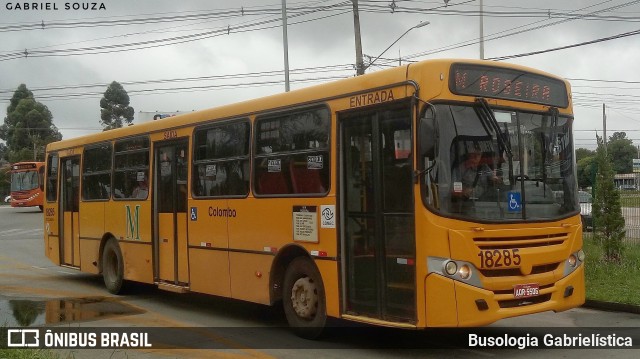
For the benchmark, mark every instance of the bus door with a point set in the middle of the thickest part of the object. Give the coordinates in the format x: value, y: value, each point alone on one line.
x: 69, y: 207
x: 376, y: 199
x: 170, y: 198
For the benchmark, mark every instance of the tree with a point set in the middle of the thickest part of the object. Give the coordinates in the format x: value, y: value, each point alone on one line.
x: 606, y: 209
x: 114, y: 107
x: 584, y: 153
x: 622, y: 152
x: 587, y: 168
x: 28, y: 127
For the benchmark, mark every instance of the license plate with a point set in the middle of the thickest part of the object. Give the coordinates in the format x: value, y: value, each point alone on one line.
x: 526, y: 290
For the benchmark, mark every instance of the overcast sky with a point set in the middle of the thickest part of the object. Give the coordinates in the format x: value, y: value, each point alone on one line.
x: 209, y: 52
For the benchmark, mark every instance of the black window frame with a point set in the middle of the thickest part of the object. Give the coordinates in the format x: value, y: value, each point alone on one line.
x: 197, y: 159
x: 107, y: 170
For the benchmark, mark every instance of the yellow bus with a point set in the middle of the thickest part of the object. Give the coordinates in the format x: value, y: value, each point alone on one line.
x: 346, y: 199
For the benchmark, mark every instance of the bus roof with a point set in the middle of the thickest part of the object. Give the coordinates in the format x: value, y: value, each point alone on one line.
x: 299, y: 97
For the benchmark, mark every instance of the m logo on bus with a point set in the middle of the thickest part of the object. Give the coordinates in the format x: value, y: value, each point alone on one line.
x: 133, y: 223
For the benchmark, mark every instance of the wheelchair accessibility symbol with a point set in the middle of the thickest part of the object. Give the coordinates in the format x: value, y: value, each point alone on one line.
x: 514, y: 201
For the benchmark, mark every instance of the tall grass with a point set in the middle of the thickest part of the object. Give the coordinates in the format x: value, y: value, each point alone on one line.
x: 610, y: 282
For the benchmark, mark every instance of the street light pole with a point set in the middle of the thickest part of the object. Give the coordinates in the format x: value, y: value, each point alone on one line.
x: 356, y: 30
x: 286, y: 45
x: 398, y: 39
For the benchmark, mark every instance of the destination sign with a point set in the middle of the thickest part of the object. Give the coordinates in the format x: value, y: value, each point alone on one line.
x: 507, y: 84
x: 24, y: 166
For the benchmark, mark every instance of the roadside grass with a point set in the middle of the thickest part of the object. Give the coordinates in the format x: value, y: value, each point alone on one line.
x: 19, y: 353
x: 632, y: 201
x: 28, y: 354
x: 610, y: 282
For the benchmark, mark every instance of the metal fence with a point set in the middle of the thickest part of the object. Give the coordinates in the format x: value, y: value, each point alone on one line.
x: 630, y: 203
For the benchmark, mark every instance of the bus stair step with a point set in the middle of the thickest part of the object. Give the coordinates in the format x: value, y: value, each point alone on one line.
x: 172, y: 287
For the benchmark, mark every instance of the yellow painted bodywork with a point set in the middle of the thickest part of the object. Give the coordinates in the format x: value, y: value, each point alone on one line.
x: 234, y: 255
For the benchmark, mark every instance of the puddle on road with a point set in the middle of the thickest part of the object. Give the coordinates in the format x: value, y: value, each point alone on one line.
x: 35, y: 312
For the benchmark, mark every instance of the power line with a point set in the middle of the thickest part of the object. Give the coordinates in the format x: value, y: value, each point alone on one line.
x: 608, y: 38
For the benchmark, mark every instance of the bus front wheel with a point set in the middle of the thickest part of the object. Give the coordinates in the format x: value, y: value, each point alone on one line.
x: 304, y: 299
x: 112, y: 267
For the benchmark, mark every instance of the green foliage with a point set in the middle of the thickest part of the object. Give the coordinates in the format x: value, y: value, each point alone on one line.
x: 114, y: 107
x: 609, y: 282
x: 622, y: 152
x: 606, y: 210
x: 584, y: 153
x: 28, y: 127
x: 587, y: 168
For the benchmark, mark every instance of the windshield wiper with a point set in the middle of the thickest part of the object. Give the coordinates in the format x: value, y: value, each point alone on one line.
x: 489, y: 119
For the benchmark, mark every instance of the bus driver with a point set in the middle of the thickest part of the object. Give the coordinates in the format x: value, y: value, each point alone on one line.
x: 473, y: 178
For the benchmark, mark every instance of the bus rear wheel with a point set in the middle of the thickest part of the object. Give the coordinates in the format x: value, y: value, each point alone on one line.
x: 304, y: 299
x: 113, y: 267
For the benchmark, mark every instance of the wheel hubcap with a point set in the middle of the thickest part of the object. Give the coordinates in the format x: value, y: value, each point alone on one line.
x: 304, y: 298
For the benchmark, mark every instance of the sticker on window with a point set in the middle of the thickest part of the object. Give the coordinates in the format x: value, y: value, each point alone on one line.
x: 457, y: 187
x: 274, y: 165
x: 211, y: 170
x: 314, y: 162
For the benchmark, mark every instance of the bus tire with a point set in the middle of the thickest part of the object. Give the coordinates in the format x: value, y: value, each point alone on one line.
x: 113, y: 267
x: 303, y: 299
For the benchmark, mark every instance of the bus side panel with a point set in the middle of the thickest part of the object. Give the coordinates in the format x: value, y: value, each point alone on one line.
x: 89, y: 255
x: 209, y: 271
x: 329, y: 272
x: 209, y: 266
x: 250, y: 276
x: 259, y: 225
x: 92, y: 220
x: 51, y: 233
x: 137, y: 261
x: 442, y: 308
x: 130, y: 223
x: 91, y: 232
x: 52, y: 247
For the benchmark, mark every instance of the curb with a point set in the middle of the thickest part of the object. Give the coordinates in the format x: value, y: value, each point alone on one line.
x: 611, y: 307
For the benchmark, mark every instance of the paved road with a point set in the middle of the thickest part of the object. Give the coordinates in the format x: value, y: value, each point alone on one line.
x: 35, y: 292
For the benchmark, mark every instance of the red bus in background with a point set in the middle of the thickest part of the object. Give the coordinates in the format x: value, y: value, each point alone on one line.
x: 27, y: 184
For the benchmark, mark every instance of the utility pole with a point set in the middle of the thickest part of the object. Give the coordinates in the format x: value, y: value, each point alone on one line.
x: 286, y: 45
x: 481, y: 32
x: 356, y: 30
x: 604, y: 127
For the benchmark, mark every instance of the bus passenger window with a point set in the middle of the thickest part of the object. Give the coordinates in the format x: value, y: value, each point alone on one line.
x: 131, y: 173
x: 52, y: 177
x: 292, y: 153
x: 221, y: 163
x: 96, y: 172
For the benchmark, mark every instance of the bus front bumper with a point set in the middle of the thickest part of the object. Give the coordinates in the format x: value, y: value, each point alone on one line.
x: 474, y: 306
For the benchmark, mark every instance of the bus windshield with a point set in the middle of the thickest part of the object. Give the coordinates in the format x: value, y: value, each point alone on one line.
x: 24, y: 181
x: 498, y: 165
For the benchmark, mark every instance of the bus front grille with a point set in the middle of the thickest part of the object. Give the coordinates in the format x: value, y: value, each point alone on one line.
x: 515, y: 272
x: 544, y: 240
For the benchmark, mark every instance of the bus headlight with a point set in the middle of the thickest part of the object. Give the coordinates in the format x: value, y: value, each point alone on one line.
x: 573, y: 262
x: 457, y: 270
x: 450, y: 267
x: 464, y: 272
